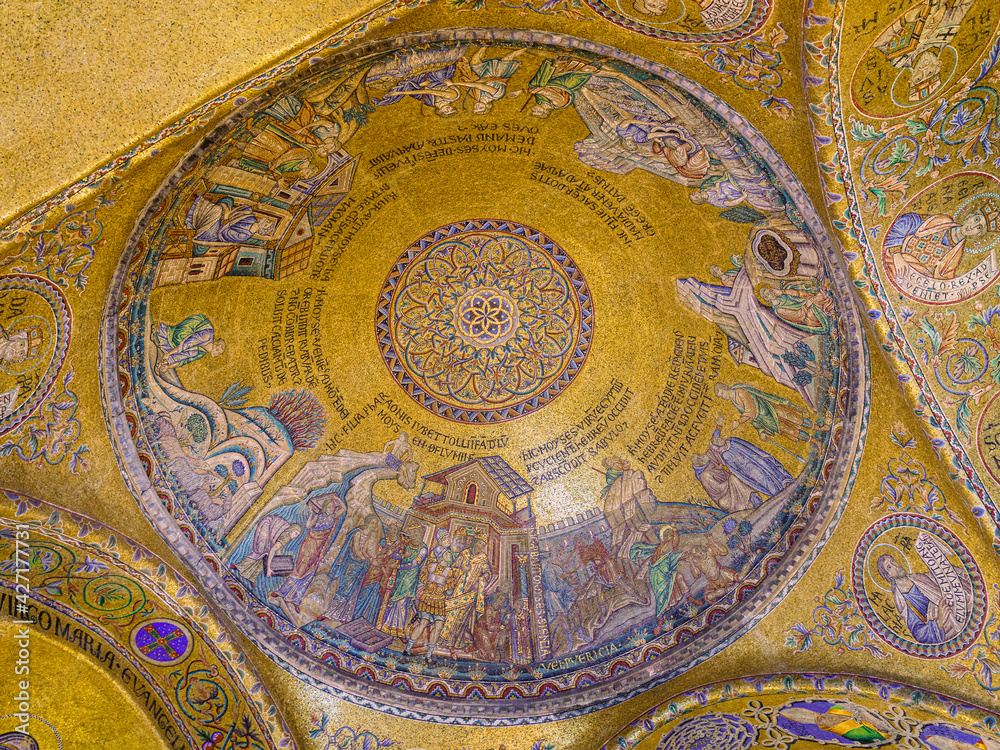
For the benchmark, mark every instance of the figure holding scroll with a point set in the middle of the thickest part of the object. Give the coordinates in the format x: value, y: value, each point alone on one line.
x: 934, y: 605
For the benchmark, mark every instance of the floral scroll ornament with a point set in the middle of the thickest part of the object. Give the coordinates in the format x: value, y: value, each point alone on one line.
x: 64, y: 253
x: 51, y: 435
x: 907, y: 488
x: 752, y: 64
x: 327, y: 737
x: 960, y: 363
x: 201, y: 694
x: 982, y: 661
x: 965, y: 126
x: 56, y: 571
x: 242, y: 735
x: 988, y: 319
x: 344, y: 737
x: 837, y: 622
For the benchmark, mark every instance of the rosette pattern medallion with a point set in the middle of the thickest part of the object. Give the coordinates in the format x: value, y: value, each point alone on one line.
x: 484, y: 321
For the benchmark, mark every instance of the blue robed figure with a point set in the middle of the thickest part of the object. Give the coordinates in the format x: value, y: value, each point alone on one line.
x: 361, y: 548
x: 738, y: 475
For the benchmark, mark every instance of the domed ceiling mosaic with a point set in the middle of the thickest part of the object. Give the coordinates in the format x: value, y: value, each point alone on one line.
x: 493, y: 375
x: 425, y: 377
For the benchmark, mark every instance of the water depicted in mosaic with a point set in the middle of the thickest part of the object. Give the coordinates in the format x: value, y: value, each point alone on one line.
x: 562, y: 453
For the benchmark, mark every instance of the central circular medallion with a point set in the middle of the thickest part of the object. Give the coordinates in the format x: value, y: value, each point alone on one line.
x: 486, y: 317
x: 484, y: 321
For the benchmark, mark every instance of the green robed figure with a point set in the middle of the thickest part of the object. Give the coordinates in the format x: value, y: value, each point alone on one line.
x: 663, y: 563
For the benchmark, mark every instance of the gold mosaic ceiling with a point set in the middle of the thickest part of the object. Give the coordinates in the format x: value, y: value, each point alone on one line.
x: 475, y: 375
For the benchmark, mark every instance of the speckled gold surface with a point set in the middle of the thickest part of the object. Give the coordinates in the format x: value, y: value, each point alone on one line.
x: 86, y: 82
x: 174, y: 59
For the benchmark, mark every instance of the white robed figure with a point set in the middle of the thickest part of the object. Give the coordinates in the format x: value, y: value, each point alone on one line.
x: 757, y: 336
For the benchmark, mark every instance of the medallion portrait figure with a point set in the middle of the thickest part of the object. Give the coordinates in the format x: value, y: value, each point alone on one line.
x: 921, y: 602
x: 934, y: 245
x: 918, y: 587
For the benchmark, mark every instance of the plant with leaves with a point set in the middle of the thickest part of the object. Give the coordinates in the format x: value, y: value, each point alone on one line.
x: 344, y: 737
x: 982, y: 661
x: 837, y: 623
x: 301, y: 414
x: 988, y: 319
x: 959, y: 364
x: 235, y: 395
x: 64, y: 253
x: 906, y: 486
x: 49, y: 437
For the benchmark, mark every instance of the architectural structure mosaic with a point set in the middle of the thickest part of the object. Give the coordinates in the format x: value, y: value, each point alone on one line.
x: 456, y: 588
x: 501, y: 374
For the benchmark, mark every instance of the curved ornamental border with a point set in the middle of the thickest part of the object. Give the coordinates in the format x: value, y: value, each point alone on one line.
x: 759, y: 15
x: 59, y: 342
x: 506, y: 345
x: 893, y: 697
x: 845, y: 192
x: 148, y: 618
x: 649, y: 662
x: 869, y: 544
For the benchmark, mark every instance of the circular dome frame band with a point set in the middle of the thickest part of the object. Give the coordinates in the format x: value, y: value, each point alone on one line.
x: 824, y: 513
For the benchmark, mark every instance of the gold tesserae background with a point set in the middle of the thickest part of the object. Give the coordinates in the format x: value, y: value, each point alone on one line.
x: 818, y: 185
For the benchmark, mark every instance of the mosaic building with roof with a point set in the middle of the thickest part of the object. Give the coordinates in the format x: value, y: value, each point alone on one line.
x: 481, y: 375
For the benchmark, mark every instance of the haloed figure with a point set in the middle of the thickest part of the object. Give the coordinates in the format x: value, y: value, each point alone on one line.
x: 920, y: 602
x: 19, y: 346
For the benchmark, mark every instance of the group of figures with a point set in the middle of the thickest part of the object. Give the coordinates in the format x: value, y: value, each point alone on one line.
x: 253, y: 210
x: 332, y: 555
x: 459, y: 572
x: 642, y: 560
